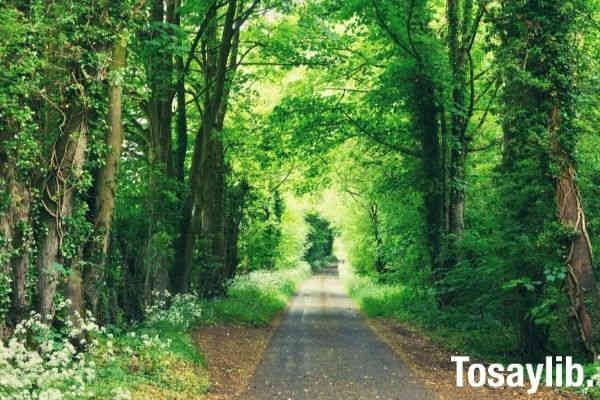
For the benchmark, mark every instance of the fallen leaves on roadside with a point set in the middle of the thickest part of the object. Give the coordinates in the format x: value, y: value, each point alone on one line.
x: 432, y: 364
x: 232, y: 353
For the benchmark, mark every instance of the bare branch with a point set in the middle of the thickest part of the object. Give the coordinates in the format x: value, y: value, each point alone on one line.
x: 486, y: 112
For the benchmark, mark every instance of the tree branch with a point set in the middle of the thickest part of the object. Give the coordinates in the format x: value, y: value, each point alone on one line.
x: 373, y: 137
x: 395, y: 38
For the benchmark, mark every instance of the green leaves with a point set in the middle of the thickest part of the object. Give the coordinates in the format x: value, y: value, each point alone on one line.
x: 525, y: 283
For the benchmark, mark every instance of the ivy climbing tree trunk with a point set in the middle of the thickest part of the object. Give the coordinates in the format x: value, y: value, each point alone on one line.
x: 15, y: 234
x: 235, y: 202
x: 458, y: 33
x: 540, y: 138
x: 66, y: 166
x: 463, y: 26
x: 581, y: 280
x: 106, y: 179
x: 426, y: 119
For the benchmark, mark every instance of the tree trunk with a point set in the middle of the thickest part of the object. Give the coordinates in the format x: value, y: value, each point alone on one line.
x: 160, y: 74
x: 106, y: 179
x: 426, y: 121
x: 379, y: 261
x: 540, y: 139
x: 206, y: 204
x: 236, y: 199
x: 213, y: 222
x: 460, y: 34
x: 67, y: 166
x: 581, y: 280
x: 182, y: 134
x: 15, y: 235
x: 457, y: 56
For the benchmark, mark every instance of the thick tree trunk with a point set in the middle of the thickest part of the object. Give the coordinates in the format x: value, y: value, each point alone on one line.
x: 213, y: 223
x: 459, y: 120
x: 540, y: 139
x: 460, y: 27
x: 106, y: 181
x: 190, y: 225
x: 236, y: 199
x: 15, y: 236
x: 67, y: 166
x: 581, y: 279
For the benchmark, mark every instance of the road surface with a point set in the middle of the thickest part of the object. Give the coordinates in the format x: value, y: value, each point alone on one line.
x: 323, y: 350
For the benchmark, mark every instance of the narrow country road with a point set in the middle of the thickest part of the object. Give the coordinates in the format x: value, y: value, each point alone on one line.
x: 323, y: 351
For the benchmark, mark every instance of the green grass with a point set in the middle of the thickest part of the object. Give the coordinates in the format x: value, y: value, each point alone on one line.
x: 459, y: 332
x: 476, y: 335
x: 171, y: 366
x: 254, y: 299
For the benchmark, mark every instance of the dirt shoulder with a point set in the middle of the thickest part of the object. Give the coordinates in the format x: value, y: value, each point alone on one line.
x: 232, y: 353
x: 432, y: 364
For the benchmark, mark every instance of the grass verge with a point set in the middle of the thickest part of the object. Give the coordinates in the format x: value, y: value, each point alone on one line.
x: 254, y: 299
x: 476, y: 335
x: 454, y: 332
x: 158, y: 360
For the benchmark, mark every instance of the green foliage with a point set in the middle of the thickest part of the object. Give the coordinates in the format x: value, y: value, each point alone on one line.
x: 487, y: 337
x: 158, y: 355
x: 254, y: 299
x: 319, y: 241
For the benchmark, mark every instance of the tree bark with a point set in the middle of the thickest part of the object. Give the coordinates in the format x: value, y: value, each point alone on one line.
x: 106, y: 180
x: 379, y: 261
x: 160, y: 75
x: 182, y: 126
x: 236, y: 199
x: 66, y: 167
x: 460, y: 34
x: 205, y: 208
x: 540, y: 139
x: 426, y: 120
x: 581, y: 279
x: 15, y: 235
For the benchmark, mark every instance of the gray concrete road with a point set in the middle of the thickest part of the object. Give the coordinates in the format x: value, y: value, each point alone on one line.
x: 324, y: 351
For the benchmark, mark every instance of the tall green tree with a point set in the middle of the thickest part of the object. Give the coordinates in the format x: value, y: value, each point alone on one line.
x: 539, y: 160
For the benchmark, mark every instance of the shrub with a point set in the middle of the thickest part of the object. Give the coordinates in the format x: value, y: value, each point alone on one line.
x: 39, y: 362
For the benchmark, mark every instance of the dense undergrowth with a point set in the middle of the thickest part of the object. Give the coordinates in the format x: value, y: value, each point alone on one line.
x: 155, y: 359
x: 479, y: 337
x: 376, y: 299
